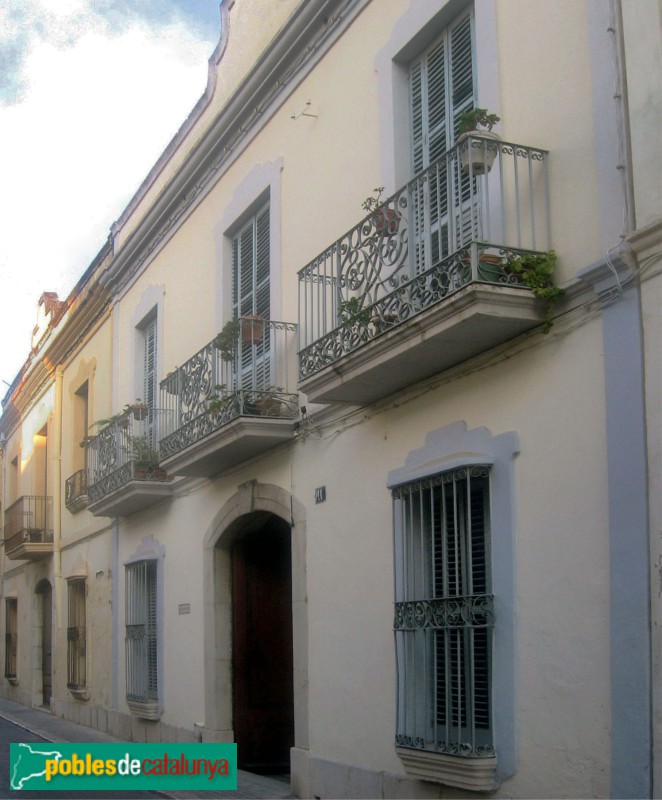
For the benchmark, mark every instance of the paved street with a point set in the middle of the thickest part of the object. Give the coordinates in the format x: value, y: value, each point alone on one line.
x: 22, y: 724
x: 10, y: 732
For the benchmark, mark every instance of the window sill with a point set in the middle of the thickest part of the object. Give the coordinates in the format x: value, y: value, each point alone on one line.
x: 80, y: 694
x: 145, y: 710
x: 473, y: 774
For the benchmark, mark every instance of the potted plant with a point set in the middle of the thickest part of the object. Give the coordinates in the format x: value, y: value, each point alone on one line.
x: 385, y: 219
x: 226, y: 340
x: 138, y: 409
x: 536, y: 270
x: 145, y: 458
x: 262, y: 403
x: 477, y: 142
x: 219, y: 400
x: 351, y: 313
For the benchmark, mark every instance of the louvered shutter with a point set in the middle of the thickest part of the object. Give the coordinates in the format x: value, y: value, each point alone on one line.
x: 441, y: 85
x: 251, y: 295
x: 149, y: 378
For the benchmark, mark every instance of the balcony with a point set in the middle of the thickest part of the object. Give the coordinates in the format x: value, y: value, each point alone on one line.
x: 29, y: 528
x: 75, y: 491
x: 124, y: 474
x: 425, y: 281
x: 231, y: 400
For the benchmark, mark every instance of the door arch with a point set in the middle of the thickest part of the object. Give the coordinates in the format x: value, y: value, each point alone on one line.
x: 253, y: 506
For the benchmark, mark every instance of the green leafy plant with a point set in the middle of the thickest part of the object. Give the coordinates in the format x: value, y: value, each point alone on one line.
x: 373, y: 203
x: 219, y: 399
x: 537, y: 272
x: 226, y: 341
x: 263, y: 402
x: 141, y: 451
x: 476, y: 118
x: 350, y: 311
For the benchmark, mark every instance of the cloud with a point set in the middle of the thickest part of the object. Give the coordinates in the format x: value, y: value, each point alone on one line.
x: 97, y: 92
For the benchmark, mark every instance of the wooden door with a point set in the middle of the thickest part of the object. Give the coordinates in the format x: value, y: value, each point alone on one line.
x: 263, y: 696
x: 46, y: 644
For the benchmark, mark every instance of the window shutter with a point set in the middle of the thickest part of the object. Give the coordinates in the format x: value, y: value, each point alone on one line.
x: 149, y: 364
x: 441, y: 79
x: 441, y: 87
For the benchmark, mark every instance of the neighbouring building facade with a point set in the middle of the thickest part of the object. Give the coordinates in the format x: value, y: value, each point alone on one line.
x: 334, y: 471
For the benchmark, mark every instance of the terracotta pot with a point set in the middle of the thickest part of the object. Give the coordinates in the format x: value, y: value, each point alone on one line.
x: 252, y: 328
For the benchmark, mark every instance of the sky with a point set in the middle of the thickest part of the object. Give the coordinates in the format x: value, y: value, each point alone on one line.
x: 91, y: 92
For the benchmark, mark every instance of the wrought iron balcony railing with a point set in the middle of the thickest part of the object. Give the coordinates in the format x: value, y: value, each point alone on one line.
x: 75, y: 491
x: 244, y: 374
x: 29, y: 520
x: 452, y: 225
x: 126, y: 449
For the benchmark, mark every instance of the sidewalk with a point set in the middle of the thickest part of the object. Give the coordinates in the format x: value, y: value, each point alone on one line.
x: 55, y: 729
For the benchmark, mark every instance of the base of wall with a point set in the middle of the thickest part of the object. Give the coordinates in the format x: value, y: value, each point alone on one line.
x: 319, y: 778
x: 120, y: 725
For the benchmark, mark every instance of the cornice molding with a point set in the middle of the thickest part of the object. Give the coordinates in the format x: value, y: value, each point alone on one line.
x: 293, y: 52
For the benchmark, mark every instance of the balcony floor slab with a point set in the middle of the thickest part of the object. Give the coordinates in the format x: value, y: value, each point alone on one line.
x: 229, y: 445
x: 472, y: 321
x: 30, y: 551
x: 132, y: 496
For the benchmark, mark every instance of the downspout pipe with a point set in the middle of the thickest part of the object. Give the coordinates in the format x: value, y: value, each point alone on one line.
x: 58, y: 489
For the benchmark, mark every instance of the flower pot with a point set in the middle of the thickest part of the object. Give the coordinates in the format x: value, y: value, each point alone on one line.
x: 386, y: 221
x: 139, y: 411
x: 264, y: 407
x: 478, y: 149
x: 252, y: 328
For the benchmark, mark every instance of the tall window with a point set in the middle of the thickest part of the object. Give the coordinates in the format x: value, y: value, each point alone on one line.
x: 11, y: 638
x: 76, y: 635
x: 250, y: 295
x: 150, y: 386
x: 441, y: 87
x: 444, y: 613
x: 141, y: 639
x: 149, y: 363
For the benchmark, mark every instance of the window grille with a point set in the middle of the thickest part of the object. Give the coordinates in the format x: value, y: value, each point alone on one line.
x: 11, y: 638
x: 76, y: 635
x: 444, y: 613
x: 141, y: 633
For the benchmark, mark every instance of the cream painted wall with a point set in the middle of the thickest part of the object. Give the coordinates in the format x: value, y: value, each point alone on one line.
x: 546, y: 101
x: 642, y: 30
x: 251, y: 26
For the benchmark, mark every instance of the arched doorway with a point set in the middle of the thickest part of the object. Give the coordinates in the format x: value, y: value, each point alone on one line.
x: 262, y: 659
x: 249, y: 509
x: 45, y: 643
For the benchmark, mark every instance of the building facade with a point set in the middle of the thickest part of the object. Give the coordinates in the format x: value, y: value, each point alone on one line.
x: 337, y: 472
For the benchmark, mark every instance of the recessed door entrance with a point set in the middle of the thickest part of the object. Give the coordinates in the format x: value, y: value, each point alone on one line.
x: 45, y: 592
x: 263, y: 697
